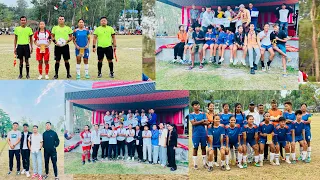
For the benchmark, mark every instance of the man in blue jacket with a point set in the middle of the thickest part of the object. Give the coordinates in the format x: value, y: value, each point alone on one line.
x: 254, y: 20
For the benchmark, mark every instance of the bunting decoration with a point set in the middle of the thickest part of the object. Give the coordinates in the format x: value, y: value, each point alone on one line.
x: 87, y: 8
x: 55, y: 7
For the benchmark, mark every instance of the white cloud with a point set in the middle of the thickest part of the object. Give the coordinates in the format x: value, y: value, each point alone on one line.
x: 45, y: 91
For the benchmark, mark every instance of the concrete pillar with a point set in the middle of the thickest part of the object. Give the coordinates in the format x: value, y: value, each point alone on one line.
x: 69, y: 116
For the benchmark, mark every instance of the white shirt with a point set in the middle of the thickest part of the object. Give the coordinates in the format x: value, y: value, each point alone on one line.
x: 255, y: 115
x: 104, y: 138
x: 283, y: 15
x: 121, y: 131
x: 43, y: 38
x: 162, y: 136
x: 86, y: 139
x: 25, y: 142
x: 107, y: 119
x: 266, y: 40
x: 129, y: 133
x: 95, y: 137
x: 144, y: 120
x: 227, y: 14
x: 113, y: 140
x: 207, y: 18
x: 35, y: 140
x: 146, y: 141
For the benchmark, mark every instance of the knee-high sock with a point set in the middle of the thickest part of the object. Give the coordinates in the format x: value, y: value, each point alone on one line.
x: 309, y: 151
x: 304, y: 154
x: 20, y: 68
x: 204, y: 159
x: 227, y: 159
x: 261, y: 157
x: 47, y: 68
x: 78, y: 67
x: 239, y: 157
x: 244, y: 158
x: 232, y: 153
x: 40, y: 68
x: 277, y: 158
x: 256, y: 159
x: 271, y: 157
x: 111, y: 67
x: 88, y: 153
x: 67, y: 67
x: 287, y: 156
x: 56, y: 68
x: 293, y: 155
x: 194, y: 158
x: 86, y: 68
x: 27, y: 69
x: 83, y: 157
x: 99, y: 67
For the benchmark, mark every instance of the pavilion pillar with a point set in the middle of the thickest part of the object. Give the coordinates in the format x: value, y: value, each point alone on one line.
x: 69, y: 116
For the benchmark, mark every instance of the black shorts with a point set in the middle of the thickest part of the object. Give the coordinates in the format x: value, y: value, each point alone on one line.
x: 23, y: 51
x: 64, y: 51
x: 108, y: 51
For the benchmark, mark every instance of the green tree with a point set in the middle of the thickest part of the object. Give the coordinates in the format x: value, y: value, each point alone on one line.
x: 5, y: 122
x: 22, y: 5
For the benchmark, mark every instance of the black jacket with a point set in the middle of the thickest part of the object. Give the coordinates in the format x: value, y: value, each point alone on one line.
x: 139, y: 137
x: 173, y: 139
x: 50, y: 141
x: 22, y: 139
x: 237, y: 38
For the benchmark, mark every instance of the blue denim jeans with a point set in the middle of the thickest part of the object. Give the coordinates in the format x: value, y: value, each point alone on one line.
x: 155, y: 154
x: 163, y: 155
x: 37, y: 162
x: 284, y: 25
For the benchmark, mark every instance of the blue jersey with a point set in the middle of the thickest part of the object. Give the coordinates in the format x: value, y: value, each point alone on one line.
x: 240, y: 119
x: 298, y: 127
x: 198, y: 130
x: 224, y: 118
x: 281, y: 134
x: 230, y: 39
x: 216, y: 132
x: 305, y: 117
x: 222, y: 37
x: 265, y: 128
x: 250, y: 131
x: 81, y: 37
x: 211, y: 36
x: 289, y: 116
x: 233, y: 133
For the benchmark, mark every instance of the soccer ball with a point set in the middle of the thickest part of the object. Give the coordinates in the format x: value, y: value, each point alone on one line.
x: 61, y: 42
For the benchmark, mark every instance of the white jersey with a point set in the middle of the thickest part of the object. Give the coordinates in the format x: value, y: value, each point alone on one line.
x: 86, y: 136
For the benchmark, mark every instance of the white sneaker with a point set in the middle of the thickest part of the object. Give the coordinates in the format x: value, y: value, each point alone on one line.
x: 231, y: 60
x: 222, y: 59
x: 263, y: 69
x: 128, y: 159
x: 243, y: 62
x: 40, y: 76
x: 23, y: 171
x: 278, y: 164
x: 228, y: 167
x: 288, y: 161
x: 240, y: 166
x: 27, y: 174
x: 216, y: 164
x: 261, y: 163
x: 47, y: 77
x: 268, y: 68
x: 235, y: 62
x: 132, y: 158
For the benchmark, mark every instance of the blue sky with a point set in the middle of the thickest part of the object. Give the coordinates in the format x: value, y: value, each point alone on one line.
x: 13, y: 2
x: 37, y: 100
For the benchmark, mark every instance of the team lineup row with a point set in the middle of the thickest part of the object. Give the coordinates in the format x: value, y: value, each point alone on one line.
x: 104, y: 43
x: 248, y: 134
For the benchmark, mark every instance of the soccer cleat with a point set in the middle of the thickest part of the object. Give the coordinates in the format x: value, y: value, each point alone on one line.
x: 245, y: 165
x: 294, y: 162
x: 252, y: 71
x: 223, y: 167
x: 216, y: 164
x: 273, y: 164
x: 221, y: 60
x: 78, y: 77
x: 256, y: 164
x: 45, y: 176
x: 263, y: 69
x: 307, y: 160
x: 228, y: 168
x: 20, y: 76
x: 288, y: 161
x: 27, y: 76
x: 268, y: 68
x: 299, y: 158
x: 240, y: 166
x: 111, y: 75
x: 27, y: 174
x: 261, y: 163
x: 69, y: 76
x: 55, y: 76
x: 47, y: 77
x: 9, y: 173
x: 99, y: 75
x: 210, y: 169
x: 23, y: 171
x: 40, y: 77
x: 18, y: 173
x: 195, y: 167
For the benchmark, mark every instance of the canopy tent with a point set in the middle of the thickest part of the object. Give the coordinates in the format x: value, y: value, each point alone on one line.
x: 214, y: 3
x: 170, y: 106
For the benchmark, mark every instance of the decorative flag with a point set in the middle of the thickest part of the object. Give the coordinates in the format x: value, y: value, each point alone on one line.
x: 87, y: 8
x: 55, y: 7
x: 74, y: 3
x: 14, y: 61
